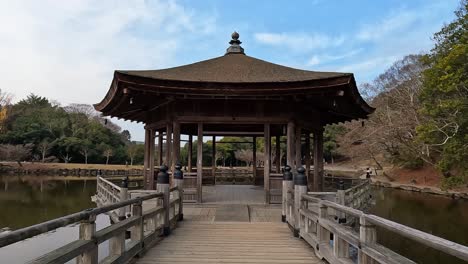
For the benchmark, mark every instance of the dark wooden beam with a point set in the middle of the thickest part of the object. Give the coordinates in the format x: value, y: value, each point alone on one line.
x: 189, y: 162
x: 278, y: 154
x: 199, y: 162
x: 267, y: 163
x: 318, y: 161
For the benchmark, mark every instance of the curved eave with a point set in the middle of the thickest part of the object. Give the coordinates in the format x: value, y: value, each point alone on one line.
x: 116, y: 96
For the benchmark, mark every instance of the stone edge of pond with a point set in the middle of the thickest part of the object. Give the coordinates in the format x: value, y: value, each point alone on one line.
x: 421, y: 189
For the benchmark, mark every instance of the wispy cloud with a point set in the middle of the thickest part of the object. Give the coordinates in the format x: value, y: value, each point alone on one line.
x: 300, y: 41
x: 390, y: 25
x: 326, y: 58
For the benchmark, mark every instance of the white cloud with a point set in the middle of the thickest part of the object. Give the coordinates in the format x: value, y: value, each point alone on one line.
x: 68, y: 50
x: 299, y: 41
x: 388, y: 26
x: 326, y: 58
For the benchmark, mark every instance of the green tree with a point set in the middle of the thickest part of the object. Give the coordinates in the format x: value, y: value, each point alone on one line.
x: 445, y: 96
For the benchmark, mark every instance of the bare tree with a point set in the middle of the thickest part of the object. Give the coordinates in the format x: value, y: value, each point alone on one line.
x: 391, y: 130
x: 108, y: 153
x: 44, y: 147
x: 16, y: 153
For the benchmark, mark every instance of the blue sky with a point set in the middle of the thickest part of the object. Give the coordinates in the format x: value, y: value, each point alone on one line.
x: 68, y: 50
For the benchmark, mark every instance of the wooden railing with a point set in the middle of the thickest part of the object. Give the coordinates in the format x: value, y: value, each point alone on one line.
x: 108, y: 192
x: 335, y: 241
x: 146, y: 228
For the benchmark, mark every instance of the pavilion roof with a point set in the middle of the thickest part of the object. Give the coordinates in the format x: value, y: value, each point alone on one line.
x: 235, y: 68
x: 233, y: 76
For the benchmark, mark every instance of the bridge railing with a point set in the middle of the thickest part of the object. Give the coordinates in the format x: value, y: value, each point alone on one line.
x: 146, y: 228
x: 337, y: 242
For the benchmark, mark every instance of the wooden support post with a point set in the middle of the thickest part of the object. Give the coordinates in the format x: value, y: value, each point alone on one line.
x: 298, y: 147
x: 340, y: 247
x: 151, y: 160
x: 307, y: 158
x: 278, y: 154
x: 124, y: 197
x: 290, y: 145
x: 318, y: 161
x: 288, y: 185
x: 146, y: 159
x: 190, y: 149
x: 136, y: 233
x: 367, y: 235
x: 175, y: 157
x: 199, y: 162
x: 300, y: 188
x: 117, y: 242
x: 267, y: 163
x: 168, y: 145
x: 179, y: 182
x: 213, y: 159
x: 160, y: 148
x: 163, y: 187
x: 87, y: 232
x: 254, y: 159
x: 322, y: 233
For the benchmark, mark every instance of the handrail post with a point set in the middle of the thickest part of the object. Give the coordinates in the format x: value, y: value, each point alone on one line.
x: 340, y: 199
x: 179, y: 182
x: 322, y: 233
x: 300, y: 187
x: 163, y: 187
x: 117, y: 243
x: 123, y: 197
x: 287, y: 186
x: 367, y: 235
x: 87, y: 231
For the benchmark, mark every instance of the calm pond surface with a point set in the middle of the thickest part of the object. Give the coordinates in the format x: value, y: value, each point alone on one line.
x: 25, y: 202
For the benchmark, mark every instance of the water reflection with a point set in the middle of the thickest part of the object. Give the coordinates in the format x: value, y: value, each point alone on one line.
x: 28, y: 201
x: 437, y: 215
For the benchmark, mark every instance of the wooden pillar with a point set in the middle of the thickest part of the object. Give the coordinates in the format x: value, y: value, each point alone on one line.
x: 213, y: 159
x: 267, y: 163
x: 146, y: 159
x: 254, y: 158
x: 87, y: 232
x: 278, y: 154
x: 199, y: 162
x: 189, y: 161
x: 318, y: 161
x: 168, y: 145
x: 160, y: 148
x: 307, y: 158
x: 367, y: 235
x: 298, y: 145
x: 175, y: 157
x: 151, y: 160
x: 290, y: 145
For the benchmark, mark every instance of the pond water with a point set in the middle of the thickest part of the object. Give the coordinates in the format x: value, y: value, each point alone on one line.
x: 27, y: 202
x: 437, y: 215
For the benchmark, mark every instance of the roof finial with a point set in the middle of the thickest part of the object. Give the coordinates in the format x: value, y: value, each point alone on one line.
x: 235, y: 45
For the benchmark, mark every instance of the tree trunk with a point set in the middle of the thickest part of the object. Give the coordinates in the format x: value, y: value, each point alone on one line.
x: 131, y: 161
x: 107, y: 160
x: 86, y: 158
x: 43, y: 156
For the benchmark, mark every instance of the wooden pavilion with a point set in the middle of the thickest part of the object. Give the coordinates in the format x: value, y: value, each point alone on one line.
x: 234, y: 95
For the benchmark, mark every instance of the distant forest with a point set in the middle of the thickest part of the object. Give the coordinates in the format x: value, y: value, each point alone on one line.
x: 421, y: 120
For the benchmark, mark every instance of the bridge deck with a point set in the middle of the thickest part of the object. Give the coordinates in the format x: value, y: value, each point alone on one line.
x: 230, y: 242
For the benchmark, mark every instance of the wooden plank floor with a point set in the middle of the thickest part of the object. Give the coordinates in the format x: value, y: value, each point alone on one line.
x: 230, y: 242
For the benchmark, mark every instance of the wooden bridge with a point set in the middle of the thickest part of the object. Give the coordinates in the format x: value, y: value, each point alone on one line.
x: 149, y: 227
